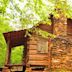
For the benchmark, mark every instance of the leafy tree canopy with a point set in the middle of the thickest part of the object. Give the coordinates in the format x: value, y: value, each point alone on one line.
x: 31, y: 12
x: 27, y: 13
x: 3, y: 5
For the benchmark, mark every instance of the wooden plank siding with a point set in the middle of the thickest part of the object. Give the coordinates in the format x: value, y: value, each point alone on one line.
x: 39, y: 57
x: 35, y: 62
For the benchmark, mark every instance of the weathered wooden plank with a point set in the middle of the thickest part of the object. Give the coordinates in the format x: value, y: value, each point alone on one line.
x: 32, y: 42
x: 38, y: 62
x: 32, y: 47
x: 38, y: 57
x: 32, y: 52
x: 36, y: 71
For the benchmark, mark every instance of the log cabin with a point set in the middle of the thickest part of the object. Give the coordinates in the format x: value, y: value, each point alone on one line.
x: 37, y: 55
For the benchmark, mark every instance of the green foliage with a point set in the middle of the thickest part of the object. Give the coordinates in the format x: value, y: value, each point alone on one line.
x: 16, y: 55
x: 31, y: 12
x: 3, y: 5
x: 64, y: 5
x: 44, y: 33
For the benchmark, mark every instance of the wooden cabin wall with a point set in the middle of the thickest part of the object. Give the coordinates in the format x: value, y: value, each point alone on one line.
x: 36, y: 58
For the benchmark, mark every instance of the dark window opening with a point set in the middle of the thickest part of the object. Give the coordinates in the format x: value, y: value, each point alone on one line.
x: 69, y: 27
x: 37, y: 67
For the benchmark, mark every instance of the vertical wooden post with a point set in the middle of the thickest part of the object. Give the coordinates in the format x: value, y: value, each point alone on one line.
x: 24, y: 62
x: 8, y: 55
x: 8, y: 60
